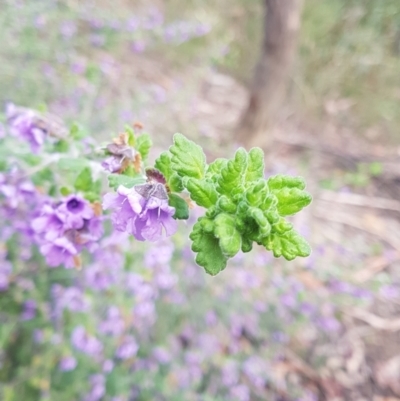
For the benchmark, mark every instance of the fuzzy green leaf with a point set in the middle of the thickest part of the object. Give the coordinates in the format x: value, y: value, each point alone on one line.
x: 255, y: 168
x: 262, y: 222
x: 215, y: 167
x: 180, y: 205
x: 289, y: 245
x: 229, y: 237
x: 84, y: 180
x: 283, y: 181
x: 206, y: 245
x: 143, y: 145
x: 231, y: 179
x: 202, y: 192
x: 188, y: 159
x: 115, y: 180
x: 224, y: 204
x: 164, y: 164
x: 291, y: 200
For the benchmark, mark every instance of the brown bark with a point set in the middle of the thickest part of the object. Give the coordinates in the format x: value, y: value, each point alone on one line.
x: 281, y: 26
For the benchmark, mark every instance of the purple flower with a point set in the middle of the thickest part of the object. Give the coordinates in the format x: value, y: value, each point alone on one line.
x: 67, y: 364
x: 98, y: 389
x: 71, y: 298
x: 59, y: 252
x: 29, y: 310
x: 23, y: 124
x: 145, y: 219
x: 62, y: 231
x: 85, y: 343
x: 73, y: 212
x: 5, y: 272
x: 127, y: 349
x: 114, y: 325
x: 240, y: 393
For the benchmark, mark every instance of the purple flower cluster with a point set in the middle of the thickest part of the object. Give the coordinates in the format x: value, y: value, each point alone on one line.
x: 23, y: 124
x: 64, y: 230
x: 144, y: 217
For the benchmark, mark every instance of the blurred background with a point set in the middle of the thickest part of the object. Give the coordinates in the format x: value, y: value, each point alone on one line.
x: 317, y: 85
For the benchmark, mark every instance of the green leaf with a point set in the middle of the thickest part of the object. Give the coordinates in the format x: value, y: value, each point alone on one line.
x: 216, y: 166
x: 131, y: 136
x: 231, y: 179
x: 84, y: 180
x: 61, y: 146
x: 262, y: 222
x: 229, y: 237
x: 115, y: 180
x: 188, y: 159
x: 92, y: 196
x: 77, y: 132
x: 202, y: 192
x: 291, y: 200
x: 289, y: 245
x: 143, y: 145
x: 282, y: 181
x: 65, y: 191
x: 209, y: 254
x: 180, y: 205
x: 255, y: 168
x: 175, y: 183
x: 247, y: 245
x: 164, y: 164
x: 224, y: 204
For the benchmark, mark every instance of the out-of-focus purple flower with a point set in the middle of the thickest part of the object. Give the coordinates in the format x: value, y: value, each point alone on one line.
x: 240, y: 393
x: 71, y: 298
x: 85, y: 343
x: 67, y: 364
x: 113, y: 325
x: 98, y: 388
x: 154, y: 20
x: 389, y: 291
x: 5, y: 272
x: 59, y: 251
x: 48, y: 223
x: 127, y: 349
x: 108, y: 366
x: 68, y: 29
x: 255, y: 369
x: 230, y: 374
x: 97, y: 40
x: 162, y: 355
x: 138, y: 46
x: 23, y: 124
x: 99, y: 277
x: 62, y: 231
x: 132, y: 24
x: 29, y: 310
x: 145, y: 219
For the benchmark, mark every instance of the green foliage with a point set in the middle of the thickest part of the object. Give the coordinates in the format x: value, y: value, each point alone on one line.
x: 180, y: 205
x: 202, y: 192
x: 115, y: 180
x: 143, y: 145
x: 206, y: 244
x: 188, y: 159
x: 242, y: 207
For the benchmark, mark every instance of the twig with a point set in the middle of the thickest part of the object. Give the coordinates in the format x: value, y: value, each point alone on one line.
x: 349, y: 220
x: 374, y: 321
x: 359, y: 200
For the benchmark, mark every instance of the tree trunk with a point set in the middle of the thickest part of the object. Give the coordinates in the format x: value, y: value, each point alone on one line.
x: 281, y: 27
